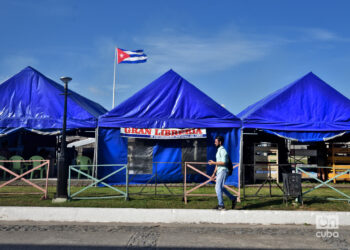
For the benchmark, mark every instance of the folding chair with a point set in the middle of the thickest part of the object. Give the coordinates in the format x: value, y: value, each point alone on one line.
x: 36, y: 163
x: 2, y: 159
x: 84, y: 161
x: 18, y: 166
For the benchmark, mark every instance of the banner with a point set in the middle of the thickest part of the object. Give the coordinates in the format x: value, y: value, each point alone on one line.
x: 164, y: 133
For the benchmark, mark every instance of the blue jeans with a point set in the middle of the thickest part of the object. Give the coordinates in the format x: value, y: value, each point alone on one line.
x: 219, y: 188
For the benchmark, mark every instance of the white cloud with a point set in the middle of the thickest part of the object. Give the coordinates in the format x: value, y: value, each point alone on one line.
x: 105, y: 90
x: 15, y: 63
x: 187, y: 53
x: 96, y: 91
x: 191, y: 53
x: 123, y: 87
x: 197, y: 54
x: 321, y: 34
x: 48, y: 8
x: 4, y: 78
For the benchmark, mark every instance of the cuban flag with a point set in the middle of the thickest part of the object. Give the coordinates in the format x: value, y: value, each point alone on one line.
x: 127, y: 56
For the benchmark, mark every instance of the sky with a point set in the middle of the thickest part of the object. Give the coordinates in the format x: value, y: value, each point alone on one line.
x: 237, y: 52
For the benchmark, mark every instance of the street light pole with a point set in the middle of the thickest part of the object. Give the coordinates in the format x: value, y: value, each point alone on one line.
x: 62, y: 174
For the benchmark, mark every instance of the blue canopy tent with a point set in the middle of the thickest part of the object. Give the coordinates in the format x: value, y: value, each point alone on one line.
x: 306, y: 110
x: 32, y: 102
x: 168, y: 102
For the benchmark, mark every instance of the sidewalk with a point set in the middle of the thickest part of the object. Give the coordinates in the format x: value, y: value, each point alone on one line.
x: 132, y: 215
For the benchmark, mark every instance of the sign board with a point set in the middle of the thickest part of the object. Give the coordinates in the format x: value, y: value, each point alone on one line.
x: 164, y: 133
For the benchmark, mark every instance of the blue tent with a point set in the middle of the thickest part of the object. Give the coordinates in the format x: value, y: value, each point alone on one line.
x: 305, y: 110
x: 30, y: 100
x: 168, y: 102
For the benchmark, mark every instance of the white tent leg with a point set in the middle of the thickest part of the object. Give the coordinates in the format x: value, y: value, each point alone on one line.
x: 95, y: 160
x: 241, y: 157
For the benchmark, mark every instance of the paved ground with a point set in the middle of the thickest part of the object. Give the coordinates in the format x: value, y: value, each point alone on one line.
x: 34, y: 235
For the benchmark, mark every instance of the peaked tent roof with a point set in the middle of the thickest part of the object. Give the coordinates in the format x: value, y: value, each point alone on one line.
x: 31, y: 100
x: 169, y: 102
x: 308, y: 104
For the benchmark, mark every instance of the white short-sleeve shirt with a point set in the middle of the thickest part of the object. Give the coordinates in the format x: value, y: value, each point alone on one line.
x: 221, y: 155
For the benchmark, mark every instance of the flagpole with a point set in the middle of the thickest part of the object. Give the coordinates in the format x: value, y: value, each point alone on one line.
x: 114, y: 76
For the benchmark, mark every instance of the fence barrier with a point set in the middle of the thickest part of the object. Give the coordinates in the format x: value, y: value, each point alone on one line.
x: 156, y: 183
x: 268, y: 180
x: 78, y: 169
x: 325, y: 183
x: 25, y: 165
x: 192, y: 167
x: 308, y: 171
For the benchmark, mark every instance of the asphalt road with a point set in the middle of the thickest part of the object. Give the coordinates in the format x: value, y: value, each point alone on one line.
x: 34, y: 235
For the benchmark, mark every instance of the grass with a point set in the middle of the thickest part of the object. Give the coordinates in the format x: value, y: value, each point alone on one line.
x: 315, y: 200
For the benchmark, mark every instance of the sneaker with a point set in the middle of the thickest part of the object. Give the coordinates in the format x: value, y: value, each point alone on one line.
x: 219, y: 208
x: 234, y: 202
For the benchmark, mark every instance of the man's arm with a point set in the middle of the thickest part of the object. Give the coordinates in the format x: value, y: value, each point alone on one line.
x: 217, y: 163
x: 213, y: 175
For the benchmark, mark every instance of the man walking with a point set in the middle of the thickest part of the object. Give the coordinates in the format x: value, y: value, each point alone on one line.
x: 221, y: 174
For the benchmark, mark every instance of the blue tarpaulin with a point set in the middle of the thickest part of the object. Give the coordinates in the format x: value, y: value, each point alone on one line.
x: 31, y: 100
x: 168, y: 102
x: 8, y: 131
x: 113, y: 149
x: 305, y: 110
x: 306, y: 136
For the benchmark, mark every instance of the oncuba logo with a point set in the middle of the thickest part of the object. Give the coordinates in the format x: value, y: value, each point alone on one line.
x: 327, y: 224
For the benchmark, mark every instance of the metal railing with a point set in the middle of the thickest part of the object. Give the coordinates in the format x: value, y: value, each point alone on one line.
x: 191, y: 165
x: 24, y: 166
x: 156, y: 183
x: 96, y: 181
x: 335, y: 171
x: 325, y: 183
x: 268, y: 180
x: 307, y: 170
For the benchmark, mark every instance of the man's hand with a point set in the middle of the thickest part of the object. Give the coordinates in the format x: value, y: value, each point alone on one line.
x: 210, y: 162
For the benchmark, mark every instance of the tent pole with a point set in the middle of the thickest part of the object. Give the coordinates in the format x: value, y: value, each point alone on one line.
x: 95, y: 161
x: 114, y: 75
x: 242, y: 170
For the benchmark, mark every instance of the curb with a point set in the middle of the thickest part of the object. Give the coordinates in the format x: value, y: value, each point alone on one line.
x: 135, y: 215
